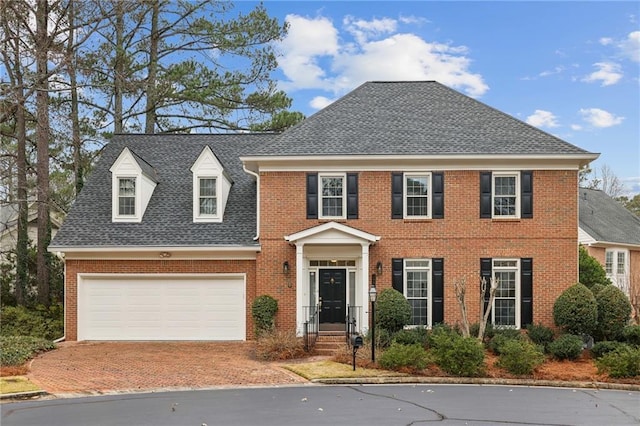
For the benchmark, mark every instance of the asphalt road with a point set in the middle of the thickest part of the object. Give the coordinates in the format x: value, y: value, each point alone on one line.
x: 338, y: 405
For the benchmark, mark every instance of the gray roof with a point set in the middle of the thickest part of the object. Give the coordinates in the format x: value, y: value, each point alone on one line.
x: 606, y: 220
x: 413, y: 118
x: 168, y: 219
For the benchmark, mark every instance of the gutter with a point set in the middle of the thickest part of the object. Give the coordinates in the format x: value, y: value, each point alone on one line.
x: 257, y: 176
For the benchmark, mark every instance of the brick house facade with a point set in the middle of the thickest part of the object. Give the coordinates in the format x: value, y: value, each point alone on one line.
x: 409, y: 185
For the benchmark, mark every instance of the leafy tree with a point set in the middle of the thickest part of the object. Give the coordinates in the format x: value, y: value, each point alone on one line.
x: 590, y: 270
x: 632, y: 204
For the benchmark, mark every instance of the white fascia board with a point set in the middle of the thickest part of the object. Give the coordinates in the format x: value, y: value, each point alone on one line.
x: 348, y: 163
x: 317, y: 230
x: 612, y: 244
x: 163, y: 253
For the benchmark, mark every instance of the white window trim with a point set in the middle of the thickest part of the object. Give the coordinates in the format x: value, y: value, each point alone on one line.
x: 517, y: 270
x: 494, y: 175
x: 429, y: 195
x: 344, y: 194
x: 614, y: 276
x: 115, y: 202
x: 200, y: 217
x: 428, y: 268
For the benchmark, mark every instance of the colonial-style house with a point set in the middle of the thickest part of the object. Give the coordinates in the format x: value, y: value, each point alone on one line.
x: 611, y: 234
x: 409, y: 185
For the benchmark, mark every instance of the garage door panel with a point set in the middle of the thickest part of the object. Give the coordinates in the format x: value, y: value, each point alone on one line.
x: 161, y: 308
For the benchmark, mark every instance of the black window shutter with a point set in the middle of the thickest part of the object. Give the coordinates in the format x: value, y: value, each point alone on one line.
x: 437, y: 204
x: 396, y: 195
x: 312, y: 196
x: 352, y: 195
x: 526, y: 292
x: 526, y: 194
x: 437, y: 291
x: 485, y: 272
x: 485, y: 194
x: 397, y: 274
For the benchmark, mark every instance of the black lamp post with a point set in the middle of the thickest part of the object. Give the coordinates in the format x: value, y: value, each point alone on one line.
x: 373, y: 294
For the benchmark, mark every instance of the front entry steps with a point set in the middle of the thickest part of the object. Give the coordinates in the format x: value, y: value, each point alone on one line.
x: 329, y: 342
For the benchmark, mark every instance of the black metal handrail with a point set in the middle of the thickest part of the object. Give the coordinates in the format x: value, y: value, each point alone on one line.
x: 353, y: 313
x: 311, y: 326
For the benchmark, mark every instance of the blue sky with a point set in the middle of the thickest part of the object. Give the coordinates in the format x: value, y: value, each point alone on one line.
x: 568, y: 68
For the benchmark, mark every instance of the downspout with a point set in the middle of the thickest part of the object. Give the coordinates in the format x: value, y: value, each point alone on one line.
x: 64, y: 305
x: 257, y: 176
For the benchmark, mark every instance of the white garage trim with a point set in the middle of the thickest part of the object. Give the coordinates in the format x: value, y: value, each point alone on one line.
x: 161, y: 306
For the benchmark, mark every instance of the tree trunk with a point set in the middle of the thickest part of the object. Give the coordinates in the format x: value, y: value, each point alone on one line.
x: 42, y: 44
x: 152, y: 96
x: 118, y: 84
x: 78, y: 174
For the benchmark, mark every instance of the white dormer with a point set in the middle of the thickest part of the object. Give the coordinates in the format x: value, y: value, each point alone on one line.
x: 132, y: 183
x: 211, y: 186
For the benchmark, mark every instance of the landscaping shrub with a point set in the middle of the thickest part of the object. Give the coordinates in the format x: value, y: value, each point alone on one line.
x: 597, y: 288
x: 279, y: 345
x: 614, y: 311
x: 501, y: 337
x: 383, y: 337
x: 16, y: 350
x: 489, y: 331
x: 602, y: 348
x: 622, y: 362
x: 540, y: 335
x: 590, y: 270
x: 42, y: 322
x: 437, y: 333
x: 412, y: 357
x: 576, y: 310
x: 459, y: 356
x: 264, y: 310
x: 631, y: 334
x: 393, y: 311
x: 412, y: 336
x: 567, y: 346
x: 519, y: 356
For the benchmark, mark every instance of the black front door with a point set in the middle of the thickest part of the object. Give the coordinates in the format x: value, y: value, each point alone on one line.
x: 333, y: 294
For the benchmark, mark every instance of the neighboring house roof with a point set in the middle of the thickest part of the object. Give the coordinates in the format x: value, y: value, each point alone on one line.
x: 9, y: 215
x: 413, y: 118
x: 168, y: 219
x: 607, y: 221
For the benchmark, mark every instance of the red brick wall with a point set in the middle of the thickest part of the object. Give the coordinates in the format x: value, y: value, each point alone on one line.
x: 74, y: 267
x: 461, y: 238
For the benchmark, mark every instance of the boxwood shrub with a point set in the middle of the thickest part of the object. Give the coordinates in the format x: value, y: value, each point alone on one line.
x: 520, y: 356
x: 412, y: 336
x: 501, y: 337
x: 459, y: 356
x: 631, y: 334
x: 576, y: 310
x: 567, y: 346
x: 614, y: 310
x: 602, y: 348
x: 398, y: 356
x: 540, y: 335
x: 393, y: 311
x: 622, y: 362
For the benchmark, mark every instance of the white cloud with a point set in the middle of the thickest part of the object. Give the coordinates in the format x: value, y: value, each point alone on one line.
x: 576, y: 127
x: 316, y: 56
x: 630, y: 47
x: 600, y: 118
x: 631, y: 185
x: 605, y: 41
x: 557, y: 70
x: 320, y: 102
x: 608, y: 72
x: 541, y: 118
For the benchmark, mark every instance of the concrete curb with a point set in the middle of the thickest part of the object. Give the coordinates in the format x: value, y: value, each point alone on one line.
x: 476, y: 381
x: 23, y: 395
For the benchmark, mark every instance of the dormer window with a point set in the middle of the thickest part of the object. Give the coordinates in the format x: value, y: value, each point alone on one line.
x: 133, y: 181
x: 208, y: 197
x: 211, y: 186
x: 127, y: 196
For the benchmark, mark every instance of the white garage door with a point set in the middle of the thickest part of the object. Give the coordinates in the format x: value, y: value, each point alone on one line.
x: 118, y: 307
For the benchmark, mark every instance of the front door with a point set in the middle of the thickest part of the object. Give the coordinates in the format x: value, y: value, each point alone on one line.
x: 333, y: 296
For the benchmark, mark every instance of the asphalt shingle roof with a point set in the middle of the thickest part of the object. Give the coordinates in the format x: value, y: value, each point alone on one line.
x: 606, y: 220
x: 412, y: 118
x: 168, y: 220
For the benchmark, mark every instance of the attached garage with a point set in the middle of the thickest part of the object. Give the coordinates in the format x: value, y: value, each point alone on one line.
x: 161, y: 307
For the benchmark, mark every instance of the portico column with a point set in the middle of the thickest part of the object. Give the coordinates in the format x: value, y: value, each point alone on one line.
x: 300, y: 287
x: 364, y: 290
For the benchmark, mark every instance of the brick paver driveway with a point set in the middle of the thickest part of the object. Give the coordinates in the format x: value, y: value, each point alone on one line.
x: 96, y: 367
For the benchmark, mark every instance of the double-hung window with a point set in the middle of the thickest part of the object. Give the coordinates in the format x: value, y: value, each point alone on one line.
x: 417, y: 289
x: 127, y: 196
x: 208, y: 197
x: 505, y: 312
x: 333, y: 201
x: 617, y: 268
x: 417, y: 203
x: 505, y: 195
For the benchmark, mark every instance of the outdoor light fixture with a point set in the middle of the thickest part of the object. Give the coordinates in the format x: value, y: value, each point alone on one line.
x: 379, y: 268
x: 373, y: 294
x: 285, y: 267
x: 165, y: 254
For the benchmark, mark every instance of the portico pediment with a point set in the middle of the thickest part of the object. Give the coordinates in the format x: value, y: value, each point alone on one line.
x: 332, y: 233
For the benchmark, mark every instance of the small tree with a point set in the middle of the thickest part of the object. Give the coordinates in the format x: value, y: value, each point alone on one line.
x: 460, y: 288
x: 393, y: 311
x: 576, y: 310
x: 591, y: 271
x: 264, y: 310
